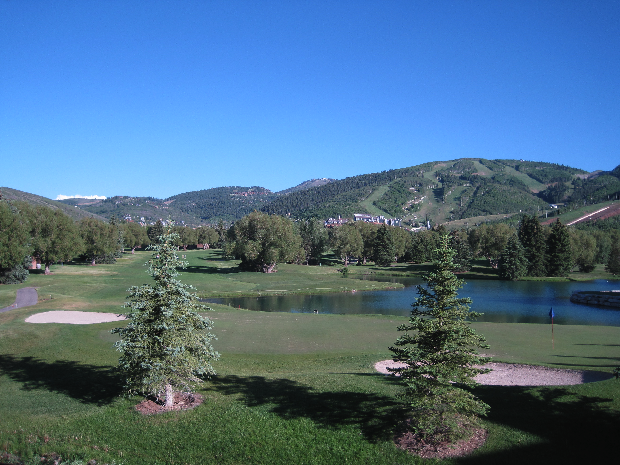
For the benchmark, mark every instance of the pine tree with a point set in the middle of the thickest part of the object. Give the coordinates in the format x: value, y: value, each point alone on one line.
x: 166, y: 345
x: 532, y: 239
x: 559, y: 256
x: 439, y: 349
x: 513, y: 264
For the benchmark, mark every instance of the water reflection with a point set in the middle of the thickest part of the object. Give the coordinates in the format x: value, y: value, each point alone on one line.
x: 500, y: 301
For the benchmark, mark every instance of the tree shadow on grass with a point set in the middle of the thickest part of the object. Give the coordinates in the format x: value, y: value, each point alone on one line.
x: 210, y: 270
x: 573, y: 428
x: 88, y: 384
x: 376, y: 415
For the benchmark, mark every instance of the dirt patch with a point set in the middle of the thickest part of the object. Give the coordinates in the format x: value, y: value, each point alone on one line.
x: 411, y: 442
x: 509, y: 374
x: 182, y: 401
x: 73, y: 317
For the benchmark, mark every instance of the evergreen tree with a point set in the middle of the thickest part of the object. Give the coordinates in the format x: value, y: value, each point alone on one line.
x: 384, y: 247
x: 166, y: 345
x: 155, y: 231
x: 513, y: 264
x: 532, y: 239
x: 559, y: 255
x: 462, y: 251
x: 439, y: 349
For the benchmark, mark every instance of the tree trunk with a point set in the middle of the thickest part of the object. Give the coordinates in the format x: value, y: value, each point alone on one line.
x: 169, y: 396
x: 269, y: 268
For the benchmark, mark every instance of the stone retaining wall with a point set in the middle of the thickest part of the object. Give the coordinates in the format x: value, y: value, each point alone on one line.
x: 605, y: 299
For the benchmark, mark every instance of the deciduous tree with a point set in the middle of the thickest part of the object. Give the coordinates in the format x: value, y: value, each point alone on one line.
x: 347, y: 242
x: 261, y: 241
x: 384, y: 252
x: 613, y: 262
x: 100, y: 241
x: 14, y: 244
x: 314, y: 239
x: 439, y: 350
x: 14, y: 239
x: 54, y: 235
x: 135, y: 236
x: 583, y: 247
x: 166, y: 346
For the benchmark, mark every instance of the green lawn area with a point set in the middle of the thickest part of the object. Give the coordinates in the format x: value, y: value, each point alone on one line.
x: 290, y: 389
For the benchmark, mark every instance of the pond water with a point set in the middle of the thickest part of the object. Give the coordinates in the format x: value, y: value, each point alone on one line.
x: 499, y: 301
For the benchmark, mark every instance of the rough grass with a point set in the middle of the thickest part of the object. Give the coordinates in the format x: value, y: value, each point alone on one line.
x: 291, y: 388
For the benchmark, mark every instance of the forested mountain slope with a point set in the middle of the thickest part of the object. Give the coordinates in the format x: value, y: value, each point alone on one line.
x: 19, y: 196
x: 437, y: 191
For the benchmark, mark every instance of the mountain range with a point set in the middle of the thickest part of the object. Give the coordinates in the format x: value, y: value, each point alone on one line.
x: 441, y: 191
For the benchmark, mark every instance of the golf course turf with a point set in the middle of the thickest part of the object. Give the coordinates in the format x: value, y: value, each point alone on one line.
x: 291, y: 388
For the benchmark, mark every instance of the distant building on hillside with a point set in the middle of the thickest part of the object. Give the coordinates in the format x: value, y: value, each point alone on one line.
x: 376, y: 219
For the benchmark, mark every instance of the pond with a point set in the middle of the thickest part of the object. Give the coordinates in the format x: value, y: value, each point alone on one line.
x: 499, y: 301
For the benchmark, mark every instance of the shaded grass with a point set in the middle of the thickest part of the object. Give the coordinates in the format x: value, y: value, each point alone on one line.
x: 291, y: 388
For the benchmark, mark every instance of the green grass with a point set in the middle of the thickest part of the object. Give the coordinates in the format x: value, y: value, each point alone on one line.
x: 291, y: 388
x: 368, y: 205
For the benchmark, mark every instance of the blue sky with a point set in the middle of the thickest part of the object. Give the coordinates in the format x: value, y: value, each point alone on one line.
x: 161, y: 97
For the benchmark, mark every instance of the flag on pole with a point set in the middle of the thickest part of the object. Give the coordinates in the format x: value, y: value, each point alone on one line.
x: 551, y: 315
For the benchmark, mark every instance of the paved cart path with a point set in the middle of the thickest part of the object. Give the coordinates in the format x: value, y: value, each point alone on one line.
x: 26, y: 297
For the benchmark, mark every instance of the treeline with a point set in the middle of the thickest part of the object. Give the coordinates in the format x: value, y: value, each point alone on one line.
x: 42, y: 235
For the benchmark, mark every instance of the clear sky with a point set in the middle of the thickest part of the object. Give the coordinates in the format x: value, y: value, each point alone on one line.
x: 156, y: 98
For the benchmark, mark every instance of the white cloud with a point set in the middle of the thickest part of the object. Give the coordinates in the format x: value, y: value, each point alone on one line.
x: 91, y: 197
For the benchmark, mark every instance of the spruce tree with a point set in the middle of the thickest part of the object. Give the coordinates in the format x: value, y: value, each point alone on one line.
x: 513, y: 264
x: 559, y: 256
x: 532, y: 239
x: 166, y: 346
x: 440, y: 352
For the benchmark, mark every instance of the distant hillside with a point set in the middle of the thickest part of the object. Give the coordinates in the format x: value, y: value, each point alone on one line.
x: 221, y: 203
x: 75, y: 213
x: 440, y: 191
x: 307, y: 185
x: 137, y: 209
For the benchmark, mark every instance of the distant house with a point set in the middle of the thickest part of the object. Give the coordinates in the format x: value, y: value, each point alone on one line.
x: 376, y: 219
x: 331, y: 222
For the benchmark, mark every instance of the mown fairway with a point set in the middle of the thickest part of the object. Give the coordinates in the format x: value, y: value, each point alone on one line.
x: 291, y: 388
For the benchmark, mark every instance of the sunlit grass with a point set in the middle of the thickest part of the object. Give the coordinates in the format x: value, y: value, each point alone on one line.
x: 291, y: 388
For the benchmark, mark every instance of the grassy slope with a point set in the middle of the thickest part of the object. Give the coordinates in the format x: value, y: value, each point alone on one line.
x: 291, y: 388
x: 367, y: 203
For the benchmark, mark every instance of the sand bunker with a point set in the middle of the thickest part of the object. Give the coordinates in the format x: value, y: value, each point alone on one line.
x: 73, y: 318
x: 508, y: 374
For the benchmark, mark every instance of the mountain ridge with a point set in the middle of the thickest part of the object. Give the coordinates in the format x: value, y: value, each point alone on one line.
x: 438, y: 191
